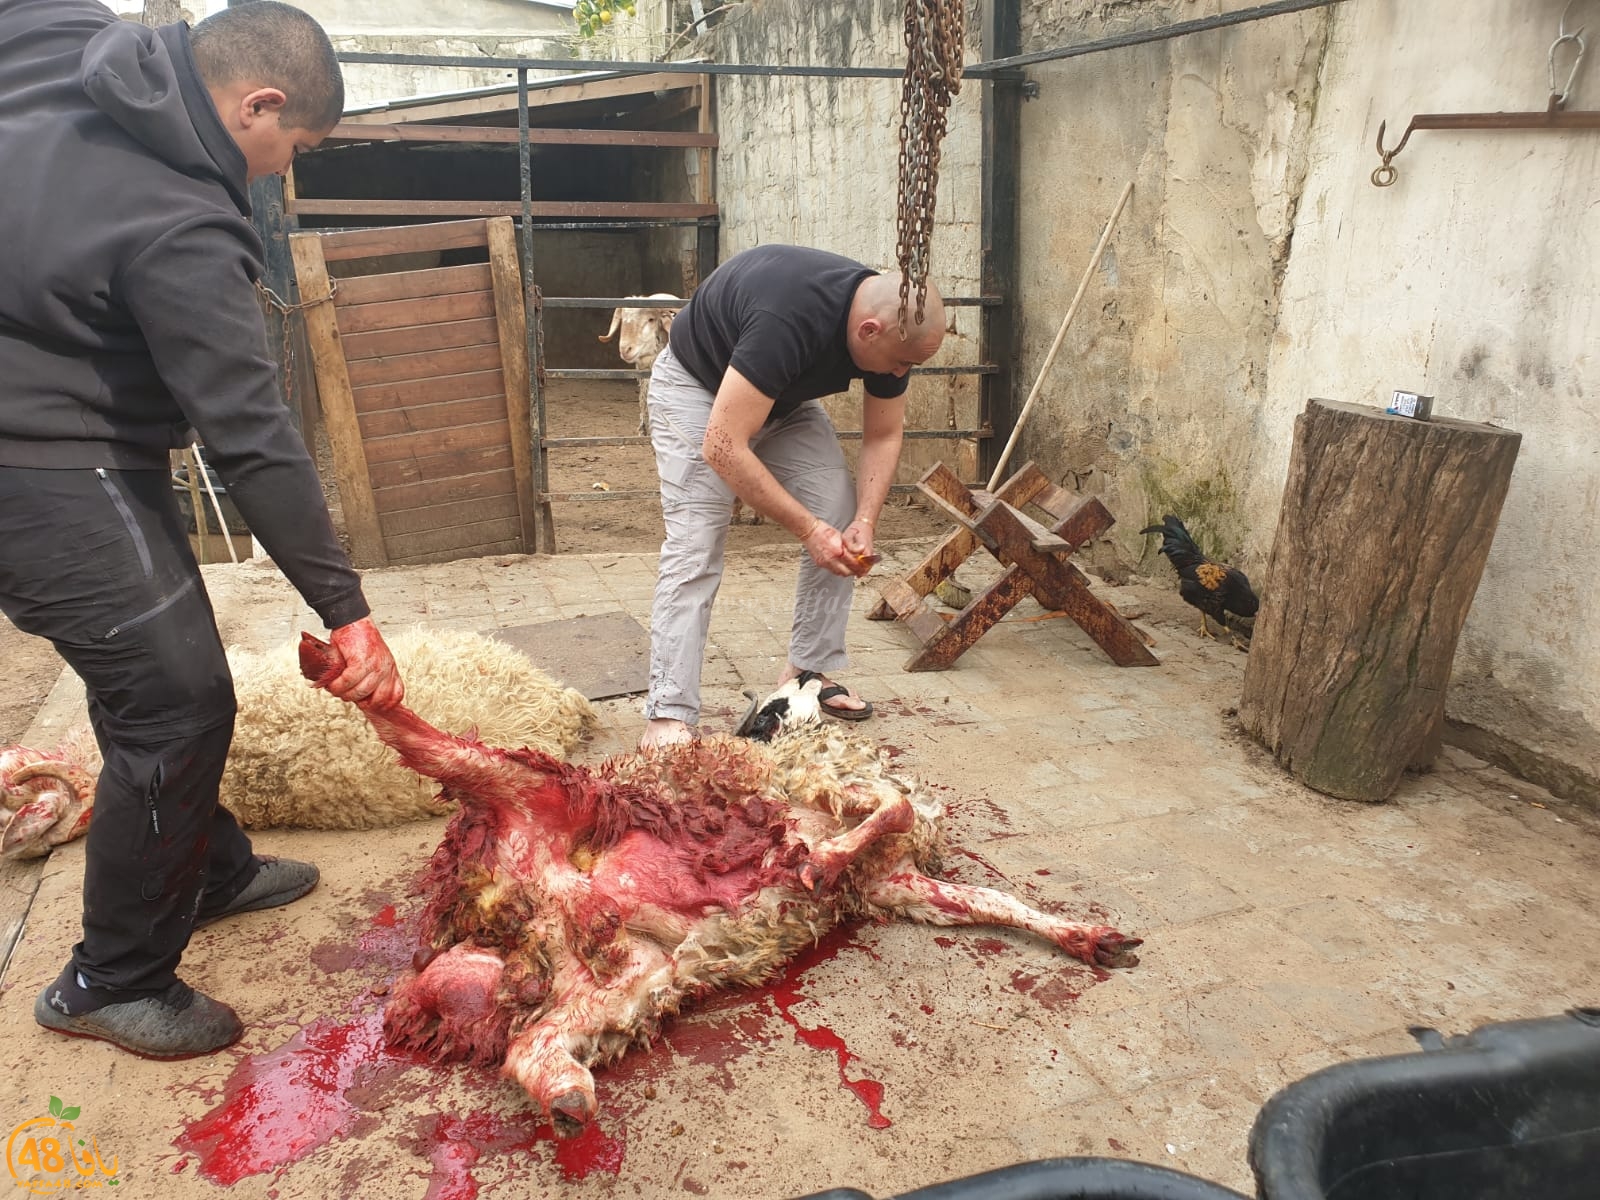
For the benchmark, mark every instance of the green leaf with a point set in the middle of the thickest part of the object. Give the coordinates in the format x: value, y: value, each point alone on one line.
x: 70, y: 1114
x: 55, y: 1106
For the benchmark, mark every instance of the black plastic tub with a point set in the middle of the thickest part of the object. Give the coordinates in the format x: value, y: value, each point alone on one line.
x: 1509, y: 1111
x: 1062, y: 1179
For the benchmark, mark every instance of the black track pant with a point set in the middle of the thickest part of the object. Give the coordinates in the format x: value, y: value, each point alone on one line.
x: 98, y: 562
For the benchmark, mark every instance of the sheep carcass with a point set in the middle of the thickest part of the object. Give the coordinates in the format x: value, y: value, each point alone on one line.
x: 643, y: 336
x: 301, y: 758
x: 570, y: 910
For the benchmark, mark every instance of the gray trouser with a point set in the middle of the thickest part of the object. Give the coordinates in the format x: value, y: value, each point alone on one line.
x: 802, y: 452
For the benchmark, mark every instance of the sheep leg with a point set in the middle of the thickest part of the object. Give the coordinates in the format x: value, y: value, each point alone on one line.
x: 830, y: 857
x: 473, y: 770
x: 588, y: 1022
x: 940, y: 902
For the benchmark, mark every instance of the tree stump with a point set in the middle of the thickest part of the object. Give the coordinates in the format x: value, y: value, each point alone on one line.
x: 1385, y: 527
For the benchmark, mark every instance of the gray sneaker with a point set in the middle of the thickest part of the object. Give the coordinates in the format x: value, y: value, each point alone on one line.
x: 177, y: 1023
x: 279, y: 881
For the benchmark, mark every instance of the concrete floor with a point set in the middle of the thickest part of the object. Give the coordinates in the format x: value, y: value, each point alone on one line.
x: 1284, y: 931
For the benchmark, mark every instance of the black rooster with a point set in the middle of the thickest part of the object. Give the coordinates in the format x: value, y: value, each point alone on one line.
x: 1216, y: 589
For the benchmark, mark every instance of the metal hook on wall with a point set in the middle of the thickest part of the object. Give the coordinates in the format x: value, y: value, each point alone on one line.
x: 1549, y: 120
x: 1384, y: 175
x: 1558, y: 100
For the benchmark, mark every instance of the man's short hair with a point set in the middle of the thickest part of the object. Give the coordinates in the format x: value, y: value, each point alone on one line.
x: 273, y: 45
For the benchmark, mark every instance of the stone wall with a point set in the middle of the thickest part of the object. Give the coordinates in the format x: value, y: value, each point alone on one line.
x: 814, y: 162
x: 1255, y: 267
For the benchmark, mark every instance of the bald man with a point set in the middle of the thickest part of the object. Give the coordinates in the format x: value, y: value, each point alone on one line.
x: 734, y: 412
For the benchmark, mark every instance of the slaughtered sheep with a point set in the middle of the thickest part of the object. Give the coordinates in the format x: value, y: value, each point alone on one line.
x: 571, y: 910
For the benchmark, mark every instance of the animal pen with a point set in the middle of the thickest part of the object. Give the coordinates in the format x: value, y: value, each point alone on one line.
x: 395, y: 344
x: 427, y: 426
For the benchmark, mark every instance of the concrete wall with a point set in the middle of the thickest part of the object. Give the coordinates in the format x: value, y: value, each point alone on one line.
x: 1255, y: 267
x: 1473, y: 278
x: 814, y: 162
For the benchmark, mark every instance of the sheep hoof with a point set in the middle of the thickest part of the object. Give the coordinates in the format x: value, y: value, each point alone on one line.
x: 571, y: 1112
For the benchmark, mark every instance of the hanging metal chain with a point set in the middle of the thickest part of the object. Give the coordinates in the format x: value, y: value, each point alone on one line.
x: 935, y: 42
x: 286, y: 311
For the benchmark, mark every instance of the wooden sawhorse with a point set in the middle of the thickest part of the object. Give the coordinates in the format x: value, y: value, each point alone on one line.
x: 1035, y: 558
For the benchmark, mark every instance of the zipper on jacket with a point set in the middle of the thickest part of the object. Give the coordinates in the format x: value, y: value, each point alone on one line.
x: 121, y: 504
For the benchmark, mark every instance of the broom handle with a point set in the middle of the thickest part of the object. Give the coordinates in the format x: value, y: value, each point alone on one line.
x: 195, y: 505
x: 1072, y: 311
x: 216, y: 506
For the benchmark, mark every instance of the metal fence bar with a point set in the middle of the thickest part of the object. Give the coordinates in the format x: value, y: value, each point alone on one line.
x: 544, y: 530
x: 994, y: 67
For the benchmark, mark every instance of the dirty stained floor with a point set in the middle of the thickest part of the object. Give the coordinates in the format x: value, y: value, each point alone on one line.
x: 1284, y: 932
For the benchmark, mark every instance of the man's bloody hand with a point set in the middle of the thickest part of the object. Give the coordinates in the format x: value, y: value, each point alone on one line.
x: 370, y: 676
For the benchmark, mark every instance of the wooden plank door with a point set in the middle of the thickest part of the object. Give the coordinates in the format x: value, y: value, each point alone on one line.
x: 424, y: 383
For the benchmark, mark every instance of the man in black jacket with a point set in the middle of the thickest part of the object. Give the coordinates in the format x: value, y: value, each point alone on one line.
x: 129, y: 325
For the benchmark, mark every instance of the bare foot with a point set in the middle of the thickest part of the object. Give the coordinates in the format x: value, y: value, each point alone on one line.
x: 664, y: 731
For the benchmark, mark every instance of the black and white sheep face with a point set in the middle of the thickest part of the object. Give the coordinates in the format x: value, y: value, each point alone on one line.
x: 795, y: 703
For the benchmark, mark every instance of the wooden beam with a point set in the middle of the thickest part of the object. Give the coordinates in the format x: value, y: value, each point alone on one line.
x: 482, y: 486
x: 481, y: 461
x: 338, y: 404
x: 460, y: 541
x: 405, y: 239
x: 351, y: 131
x: 443, y: 516
x: 960, y: 633
x: 478, y: 410
x: 543, y: 97
x: 421, y: 445
x: 420, y: 310
x: 410, y: 285
x: 959, y: 544
x: 575, y: 209
x: 420, y: 395
x: 446, y: 335
x: 403, y: 368
x: 508, y: 307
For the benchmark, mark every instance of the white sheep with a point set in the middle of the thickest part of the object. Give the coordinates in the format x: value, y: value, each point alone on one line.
x: 302, y: 759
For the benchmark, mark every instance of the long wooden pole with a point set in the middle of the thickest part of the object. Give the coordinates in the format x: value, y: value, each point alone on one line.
x: 1072, y: 311
x: 195, y: 507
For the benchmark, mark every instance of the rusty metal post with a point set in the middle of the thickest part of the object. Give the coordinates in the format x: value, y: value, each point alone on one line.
x: 1000, y: 163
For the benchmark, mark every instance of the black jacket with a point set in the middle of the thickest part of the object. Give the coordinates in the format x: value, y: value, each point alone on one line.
x: 128, y: 315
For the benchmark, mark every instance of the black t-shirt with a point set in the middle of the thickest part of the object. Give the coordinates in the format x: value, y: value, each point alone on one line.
x: 777, y: 315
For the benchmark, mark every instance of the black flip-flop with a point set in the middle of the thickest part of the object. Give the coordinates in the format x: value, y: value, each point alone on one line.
x: 842, y: 714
